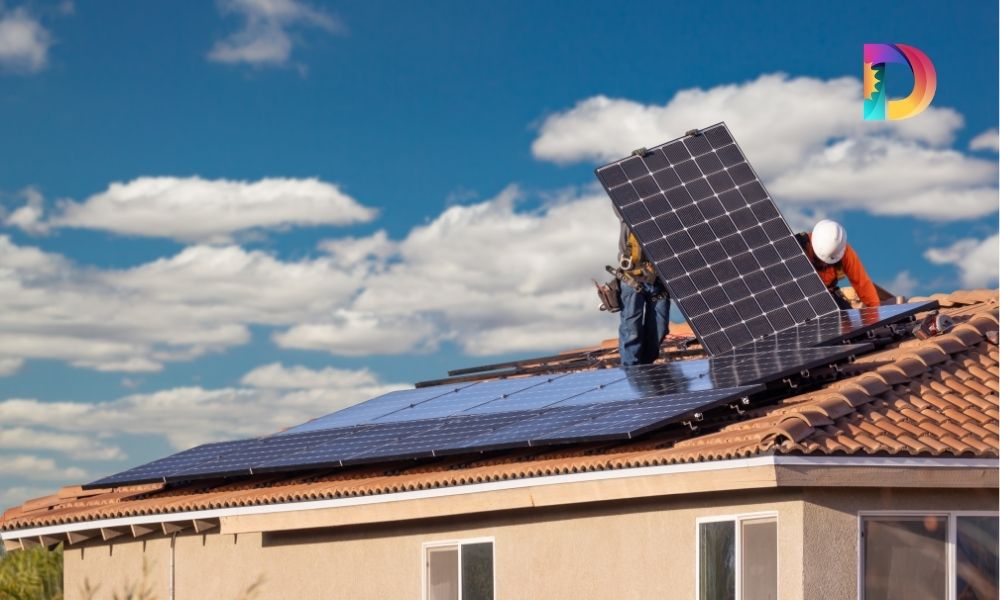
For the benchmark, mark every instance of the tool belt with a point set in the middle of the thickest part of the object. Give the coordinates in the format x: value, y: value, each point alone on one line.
x: 610, y: 292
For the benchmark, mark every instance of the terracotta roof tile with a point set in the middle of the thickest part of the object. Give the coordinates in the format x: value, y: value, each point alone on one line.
x: 935, y: 397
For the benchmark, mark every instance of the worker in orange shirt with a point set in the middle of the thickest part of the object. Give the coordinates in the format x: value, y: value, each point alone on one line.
x: 834, y: 259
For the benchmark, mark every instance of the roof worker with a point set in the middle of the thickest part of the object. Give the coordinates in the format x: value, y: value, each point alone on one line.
x: 834, y: 259
x: 645, y: 314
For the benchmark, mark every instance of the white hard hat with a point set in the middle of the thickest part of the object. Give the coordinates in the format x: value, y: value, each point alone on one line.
x: 829, y: 241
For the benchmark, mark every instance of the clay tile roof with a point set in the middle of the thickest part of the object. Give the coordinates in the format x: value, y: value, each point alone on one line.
x: 935, y: 397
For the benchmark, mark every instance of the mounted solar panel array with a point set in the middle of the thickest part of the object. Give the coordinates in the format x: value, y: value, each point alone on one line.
x: 727, y: 257
x: 532, y: 411
x: 718, y: 242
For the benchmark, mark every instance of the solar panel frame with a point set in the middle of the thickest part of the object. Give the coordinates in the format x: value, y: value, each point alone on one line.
x: 840, y: 327
x: 661, y: 196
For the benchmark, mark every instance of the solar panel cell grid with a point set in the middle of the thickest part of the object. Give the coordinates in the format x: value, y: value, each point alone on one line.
x: 722, y: 229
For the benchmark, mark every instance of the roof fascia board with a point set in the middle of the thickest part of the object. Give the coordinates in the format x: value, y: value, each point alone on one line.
x: 528, y: 482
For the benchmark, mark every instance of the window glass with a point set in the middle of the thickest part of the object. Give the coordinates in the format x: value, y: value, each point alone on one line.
x: 976, y: 558
x: 759, y: 555
x: 442, y: 573
x: 477, y: 571
x: 905, y: 557
x: 717, y: 560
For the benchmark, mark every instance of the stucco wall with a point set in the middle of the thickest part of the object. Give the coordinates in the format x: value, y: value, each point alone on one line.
x: 830, y: 530
x: 621, y: 550
x: 635, y: 549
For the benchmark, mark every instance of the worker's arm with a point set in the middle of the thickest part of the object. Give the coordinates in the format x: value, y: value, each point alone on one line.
x: 859, y: 279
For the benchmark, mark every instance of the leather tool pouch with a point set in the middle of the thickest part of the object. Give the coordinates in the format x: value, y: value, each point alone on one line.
x: 610, y: 294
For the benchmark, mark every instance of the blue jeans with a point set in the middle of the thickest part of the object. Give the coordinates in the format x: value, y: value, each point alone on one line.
x: 644, y: 324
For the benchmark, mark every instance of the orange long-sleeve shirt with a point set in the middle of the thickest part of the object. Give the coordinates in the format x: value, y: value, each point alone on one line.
x: 850, y: 267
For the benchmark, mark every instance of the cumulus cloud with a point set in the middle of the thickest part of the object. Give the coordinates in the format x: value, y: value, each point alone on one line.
x: 903, y: 284
x: 987, y: 140
x: 806, y: 140
x: 444, y: 281
x: 274, y: 397
x: 976, y: 260
x: 16, y: 495
x: 488, y: 277
x: 268, y: 30
x: 9, y: 366
x: 70, y: 444
x: 201, y: 300
x: 33, y: 467
x: 192, y: 209
x: 276, y: 376
x: 30, y: 216
x: 24, y: 42
x: 352, y: 333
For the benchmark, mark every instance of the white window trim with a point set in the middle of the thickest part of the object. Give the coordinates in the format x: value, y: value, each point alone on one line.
x: 736, y: 519
x: 455, y: 543
x: 951, y: 517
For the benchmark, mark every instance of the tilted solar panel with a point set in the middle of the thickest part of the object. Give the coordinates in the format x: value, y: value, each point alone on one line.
x: 716, y: 238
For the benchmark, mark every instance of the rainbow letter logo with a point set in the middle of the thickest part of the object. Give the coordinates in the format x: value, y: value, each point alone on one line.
x: 878, y: 107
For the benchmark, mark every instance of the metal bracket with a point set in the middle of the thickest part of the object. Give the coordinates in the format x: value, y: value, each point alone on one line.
x: 737, y: 405
x: 790, y: 382
x: 697, y: 417
x: 804, y: 373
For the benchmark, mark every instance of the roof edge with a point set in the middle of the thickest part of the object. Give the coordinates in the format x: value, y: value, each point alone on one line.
x: 872, y: 462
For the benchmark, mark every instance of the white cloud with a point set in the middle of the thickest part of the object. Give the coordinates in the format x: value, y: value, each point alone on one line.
x: 977, y: 260
x: 266, y: 36
x: 17, y: 495
x: 193, y: 209
x: 351, y: 333
x: 9, y: 366
x: 903, y: 284
x: 890, y: 177
x: 200, y: 300
x: 485, y: 276
x: 32, y: 467
x: 987, y: 140
x: 279, y: 397
x: 276, y: 376
x: 30, y: 216
x: 807, y: 141
x: 24, y: 42
x: 70, y: 444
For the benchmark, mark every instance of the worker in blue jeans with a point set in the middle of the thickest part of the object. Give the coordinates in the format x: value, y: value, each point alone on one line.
x: 645, y: 314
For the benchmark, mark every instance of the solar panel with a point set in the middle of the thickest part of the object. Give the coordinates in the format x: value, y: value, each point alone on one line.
x: 154, y: 471
x: 487, y: 393
x: 589, y: 405
x: 841, y: 326
x: 718, y: 242
x: 630, y: 419
x: 386, y: 404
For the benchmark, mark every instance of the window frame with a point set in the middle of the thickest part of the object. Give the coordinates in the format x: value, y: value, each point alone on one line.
x: 736, y: 519
x: 951, y: 556
x: 456, y: 543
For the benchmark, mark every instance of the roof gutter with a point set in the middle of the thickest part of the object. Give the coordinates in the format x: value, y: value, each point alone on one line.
x: 65, y: 531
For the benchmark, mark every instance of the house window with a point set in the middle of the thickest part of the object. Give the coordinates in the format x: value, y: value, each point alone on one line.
x: 738, y: 558
x: 926, y: 555
x: 459, y: 570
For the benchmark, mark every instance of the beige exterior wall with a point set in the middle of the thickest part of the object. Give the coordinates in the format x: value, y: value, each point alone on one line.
x: 624, y: 549
x: 830, y: 533
x: 611, y: 550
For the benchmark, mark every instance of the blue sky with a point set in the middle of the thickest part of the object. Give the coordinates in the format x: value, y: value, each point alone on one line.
x: 421, y: 177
